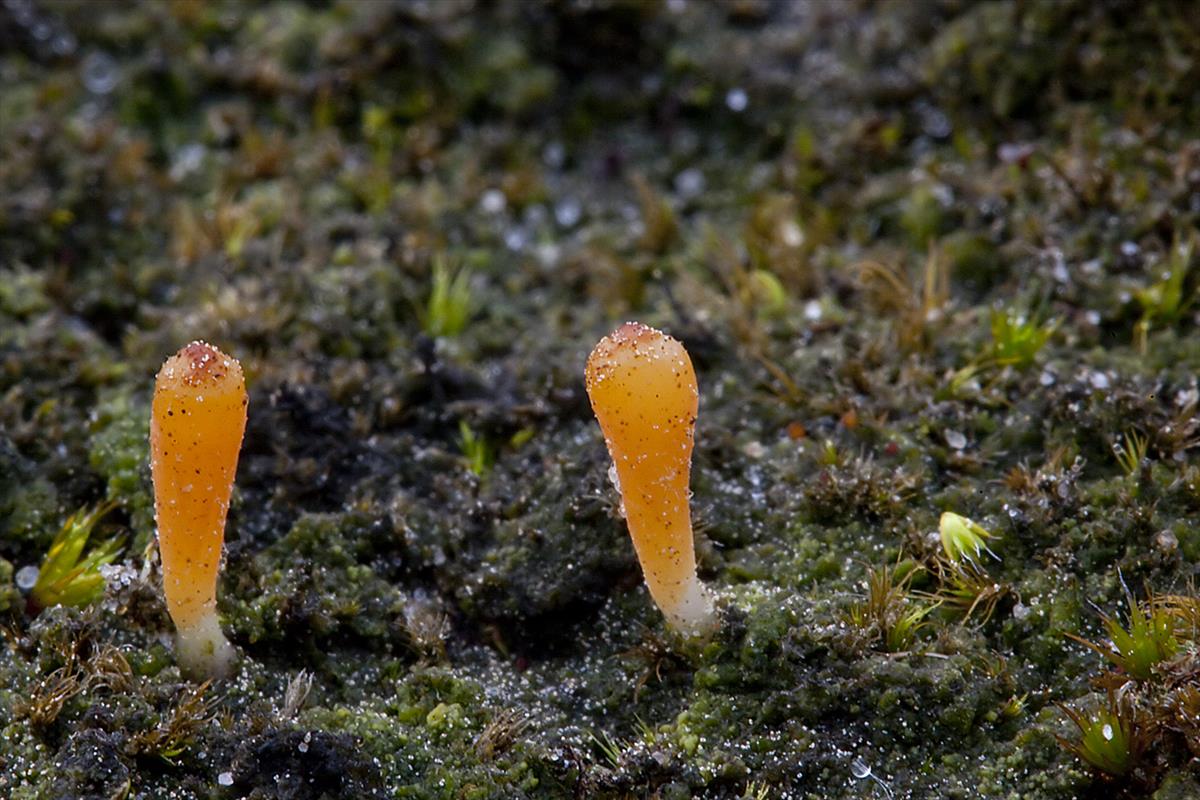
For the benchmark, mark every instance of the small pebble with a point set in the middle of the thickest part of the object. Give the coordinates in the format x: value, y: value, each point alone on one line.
x: 492, y: 201
x: 1166, y: 541
x: 26, y: 578
x: 100, y: 72
x: 567, y: 212
x: 689, y: 183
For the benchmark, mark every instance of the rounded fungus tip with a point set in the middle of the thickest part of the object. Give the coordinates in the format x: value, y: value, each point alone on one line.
x: 643, y: 391
x: 197, y: 420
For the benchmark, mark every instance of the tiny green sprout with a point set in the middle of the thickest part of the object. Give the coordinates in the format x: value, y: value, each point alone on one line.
x: 1112, y: 739
x: 899, y: 638
x: 966, y: 587
x: 450, y: 302
x: 1015, y: 340
x: 610, y: 748
x: 378, y: 128
x: 68, y: 577
x: 1131, y: 452
x: 1165, y: 301
x: 643, y: 729
x: 962, y: 538
x: 1185, y: 609
x: 962, y: 377
x: 1015, y: 343
x: 756, y: 791
x: 767, y: 292
x: 476, y: 448
x: 889, y: 614
x: 1148, y: 641
x: 1015, y: 706
x: 828, y: 456
x: 521, y: 437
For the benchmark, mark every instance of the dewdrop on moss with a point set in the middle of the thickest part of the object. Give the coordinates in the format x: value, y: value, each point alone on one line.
x: 643, y: 392
x: 196, y: 424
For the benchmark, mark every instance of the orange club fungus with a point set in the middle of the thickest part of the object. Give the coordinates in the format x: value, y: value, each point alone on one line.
x: 196, y: 424
x: 643, y: 391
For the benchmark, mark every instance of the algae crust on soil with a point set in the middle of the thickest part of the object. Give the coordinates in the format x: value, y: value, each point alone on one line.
x: 926, y: 257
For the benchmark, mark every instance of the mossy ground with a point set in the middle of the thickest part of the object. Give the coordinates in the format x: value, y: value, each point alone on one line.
x: 828, y: 203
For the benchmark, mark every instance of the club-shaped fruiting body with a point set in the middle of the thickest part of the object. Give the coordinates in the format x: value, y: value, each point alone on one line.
x: 643, y: 392
x: 196, y: 424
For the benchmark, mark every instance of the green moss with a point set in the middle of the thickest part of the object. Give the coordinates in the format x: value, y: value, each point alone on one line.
x: 22, y: 293
x: 1177, y: 786
x: 120, y: 452
x: 427, y: 746
x: 311, y: 585
x: 9, y: 597
x: 922, y: 216
x: 28, y: 504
